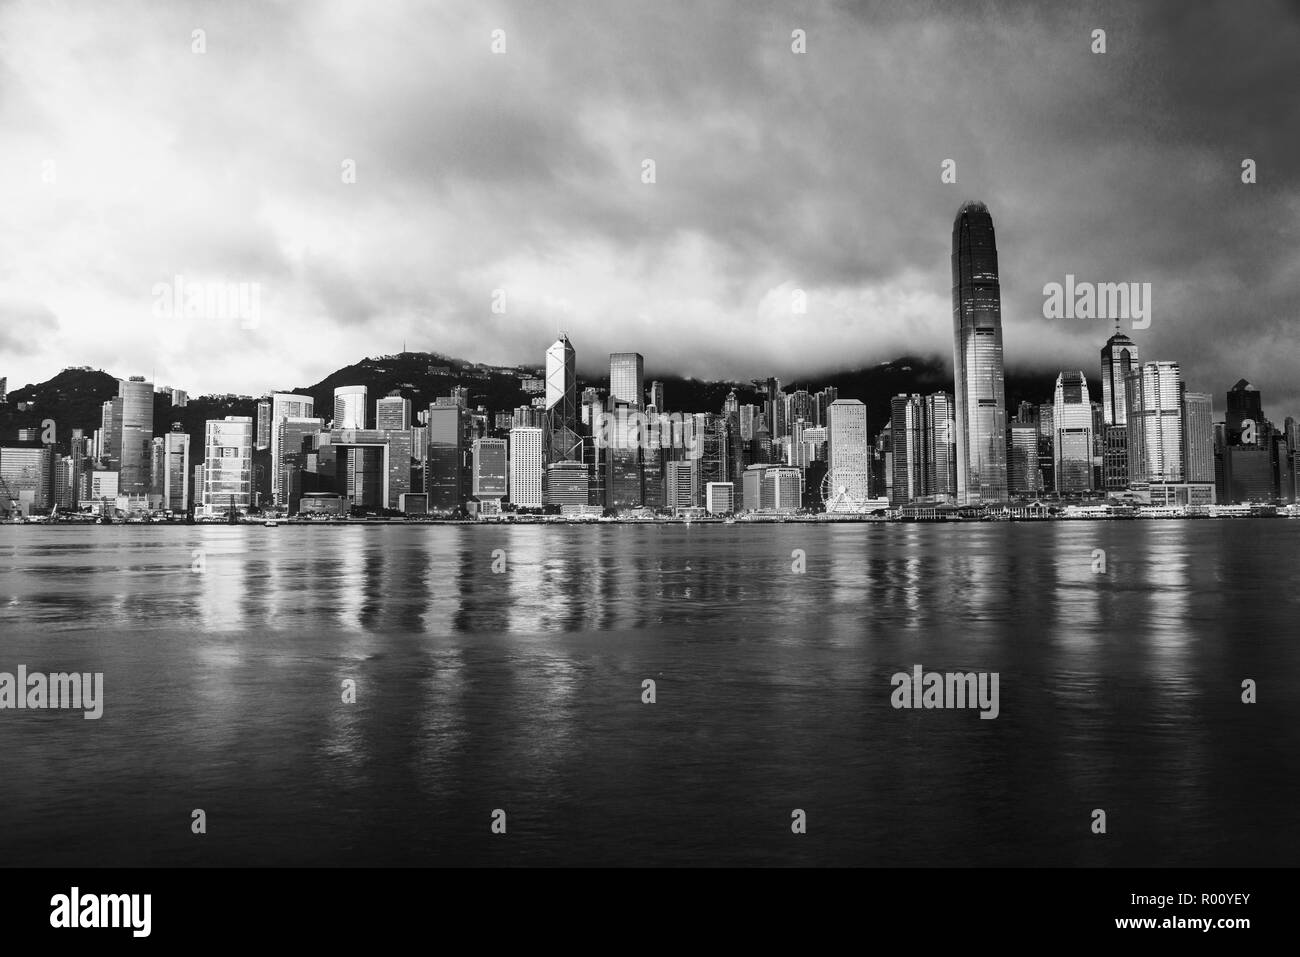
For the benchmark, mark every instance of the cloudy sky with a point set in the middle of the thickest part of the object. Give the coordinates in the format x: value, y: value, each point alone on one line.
x: 127, y: 158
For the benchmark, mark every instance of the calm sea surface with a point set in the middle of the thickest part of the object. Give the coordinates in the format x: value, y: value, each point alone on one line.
x: 521, y: 690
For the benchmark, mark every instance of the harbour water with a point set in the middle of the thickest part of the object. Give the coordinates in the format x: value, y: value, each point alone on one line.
x: 503, y: 668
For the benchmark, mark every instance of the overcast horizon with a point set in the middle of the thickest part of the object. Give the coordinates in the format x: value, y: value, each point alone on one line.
x: 129, y: 159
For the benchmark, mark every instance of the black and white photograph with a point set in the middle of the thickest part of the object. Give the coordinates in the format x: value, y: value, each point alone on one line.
x: 855, y: 445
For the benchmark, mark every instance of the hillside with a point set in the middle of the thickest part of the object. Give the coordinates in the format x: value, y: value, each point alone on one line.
x: 74, y: 397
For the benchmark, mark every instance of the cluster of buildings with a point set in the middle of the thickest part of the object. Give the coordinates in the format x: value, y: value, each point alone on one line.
x: 619, y: 450
x: 1148, y: 441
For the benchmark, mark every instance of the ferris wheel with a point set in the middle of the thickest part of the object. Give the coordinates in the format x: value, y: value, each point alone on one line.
x: 844, y: 492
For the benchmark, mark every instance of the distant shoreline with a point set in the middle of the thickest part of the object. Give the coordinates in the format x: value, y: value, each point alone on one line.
x: 567, y: 522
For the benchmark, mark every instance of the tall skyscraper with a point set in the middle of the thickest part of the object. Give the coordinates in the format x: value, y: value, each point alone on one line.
x: 350, y: 407
x: 285, y: 405
x: 940, y: 447
x: 906, y: 427
x: 1155, y: 423
x: 445, y: 459
x: 263, y: 424
x: 136, y: 436
x: 1073, y: 438
x: 176, y: 471
x: 1198, y: 437
x: 657, y: 395
x: 626, y: 378
x: 526, y: 467
x: 392, y: 412
x: 1119, y: 357
x: 848, y: 451
x: 564, y: 443
x: 977, y: 359
x: 227, y: 464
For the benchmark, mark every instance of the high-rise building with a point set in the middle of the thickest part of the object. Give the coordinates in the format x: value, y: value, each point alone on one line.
x: 977, y: 359
x: 1245, y: 404
x: 263, y: 424
x: 284, y: 405
x: 564, y: 442
x: 1114, y: 462
x: 392, y: 412
x: 444, y: 462
x: 906, y: 428
x: 1155, y: 423
x: 626, y: 379
x: 491, y: 469
x: 620, y: 458
x: 1119, y: 357
x: 180, y: 398
x: 1072, y: 434
x: 526, y: 467
x: 1022, y: 460
x: 350, y: 407
x: 227, y: 465
x: 1198, y: 437
x: 136, y: 436
x: 782, y: 489
x: 110, y: 427
x: 28, y: 473
x: 923, y: 458
x: 848, y: 451
x: 710, y: 437
x: 296, y: 440
x: 680, y: 486
x: 176, y: 471
x: 657, y: 395
x: 824, y: 399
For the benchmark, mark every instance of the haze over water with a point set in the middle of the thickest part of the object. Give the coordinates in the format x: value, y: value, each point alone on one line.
x: 522, y: 691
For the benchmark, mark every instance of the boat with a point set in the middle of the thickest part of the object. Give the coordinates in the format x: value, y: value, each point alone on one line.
x: 271, y: 523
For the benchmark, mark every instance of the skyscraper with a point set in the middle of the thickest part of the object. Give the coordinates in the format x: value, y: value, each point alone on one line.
x: 350, y: 407
x: 626, y: 378
x: 977, y: 359
x: 490, y: 469
x: 1155, y: 423
x: 1244, y: 404
x: 1073, y: 436
x: 526, y: 467
x: 657, y: 395
x: 940, y: 447
x: 392, y: 412
x: 263, y: 424
x: 1119, y: 357
x: 906, y: 427
x: 564, y: 444
x: 176, y: 470
x: 445, y: 459
x: 284, y: 405
x: 848, y: 451
x: 135, y: 435
x: 227, y: 464
x: 1198, y: 437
